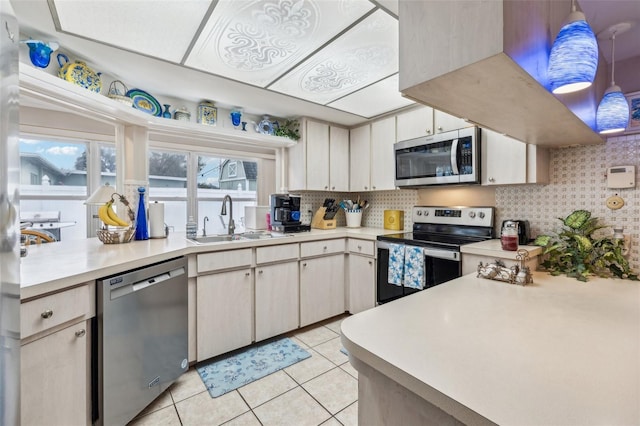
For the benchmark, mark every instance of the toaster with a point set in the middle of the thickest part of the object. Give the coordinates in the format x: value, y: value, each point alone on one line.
x: 524, y: 230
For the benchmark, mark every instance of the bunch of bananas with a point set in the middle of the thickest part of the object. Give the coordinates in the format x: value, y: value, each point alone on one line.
x: 109, y: 216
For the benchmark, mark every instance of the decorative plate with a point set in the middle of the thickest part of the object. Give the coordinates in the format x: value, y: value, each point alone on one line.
x: 145, y: 102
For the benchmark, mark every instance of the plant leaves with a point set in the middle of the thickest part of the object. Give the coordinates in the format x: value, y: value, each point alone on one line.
x: 577, y: 219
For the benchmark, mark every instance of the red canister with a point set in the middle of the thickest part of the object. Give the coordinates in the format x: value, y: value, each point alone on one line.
x: 509, y: 236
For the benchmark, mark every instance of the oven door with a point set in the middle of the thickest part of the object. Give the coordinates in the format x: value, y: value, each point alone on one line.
x: 440, y: 266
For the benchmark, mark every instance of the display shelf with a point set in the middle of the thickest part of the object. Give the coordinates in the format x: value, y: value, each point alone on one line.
x: 55, y: 93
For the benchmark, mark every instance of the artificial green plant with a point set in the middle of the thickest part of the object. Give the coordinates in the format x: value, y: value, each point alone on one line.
x: 289, y: 129
x: 577, y: 253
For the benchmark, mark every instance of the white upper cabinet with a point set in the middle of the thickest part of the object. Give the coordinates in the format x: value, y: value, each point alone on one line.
x: 360, y: 158
x: 383, y: 136
x: 415, y: 123
x: 444, y: 122
x: 317, y: 143
x: 339, y: 159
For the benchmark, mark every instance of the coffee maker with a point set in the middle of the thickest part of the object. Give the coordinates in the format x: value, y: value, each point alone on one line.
x: 285, y: 213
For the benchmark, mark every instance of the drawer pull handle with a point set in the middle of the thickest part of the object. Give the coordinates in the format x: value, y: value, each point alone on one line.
x: 80, y: 333
x: 246, y: 274
x: 47, y: 314
x: 370, y: 262
x: 359, y: 247
x: 304, y: 265
x: 324, y: 248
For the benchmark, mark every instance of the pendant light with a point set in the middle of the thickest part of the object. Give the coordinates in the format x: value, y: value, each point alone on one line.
x: 613, y: 111
x: 574, y: 56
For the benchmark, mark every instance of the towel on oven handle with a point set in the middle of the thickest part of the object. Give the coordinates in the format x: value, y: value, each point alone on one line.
x: 395, y: 272
x: 414, y: 267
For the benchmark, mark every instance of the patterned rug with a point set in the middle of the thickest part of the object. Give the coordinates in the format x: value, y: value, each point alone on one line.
x: 224, y: 375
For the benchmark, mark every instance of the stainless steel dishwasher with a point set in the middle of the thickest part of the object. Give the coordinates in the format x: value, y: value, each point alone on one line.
x: 142, y: 337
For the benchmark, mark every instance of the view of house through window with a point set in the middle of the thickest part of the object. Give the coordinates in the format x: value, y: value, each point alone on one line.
x: 53, y: 183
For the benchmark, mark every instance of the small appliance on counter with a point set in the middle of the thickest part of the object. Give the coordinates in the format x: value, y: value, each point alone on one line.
x: 324, y: 217
x: 394, y: 220
x: 524, y: 230
x: 285, y: 213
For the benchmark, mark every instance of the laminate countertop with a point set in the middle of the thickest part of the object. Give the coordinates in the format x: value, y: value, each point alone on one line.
x: 52, y: 267
x: 558, y: 351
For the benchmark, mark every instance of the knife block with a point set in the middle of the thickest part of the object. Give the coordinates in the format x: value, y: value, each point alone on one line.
x: 319, y: 222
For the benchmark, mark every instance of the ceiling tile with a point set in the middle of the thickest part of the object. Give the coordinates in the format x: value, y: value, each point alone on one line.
x: 373, y: 100
x: 257, y: 41
x: 162, y: 29
x: 363, y: 55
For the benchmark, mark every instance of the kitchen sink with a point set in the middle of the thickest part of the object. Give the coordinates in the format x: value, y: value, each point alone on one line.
x: 257, y: 235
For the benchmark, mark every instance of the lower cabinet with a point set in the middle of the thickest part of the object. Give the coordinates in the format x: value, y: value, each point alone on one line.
x: 321, y: 288
x: 224, y: 312
x: 362, y: 275
x: 277, y: 299
x: 54, y: 376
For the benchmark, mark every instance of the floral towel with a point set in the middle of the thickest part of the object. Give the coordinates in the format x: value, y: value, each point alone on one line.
x: 414, y: 267
x: 396, y: 264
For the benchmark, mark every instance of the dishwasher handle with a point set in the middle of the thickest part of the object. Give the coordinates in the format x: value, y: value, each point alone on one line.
x: 147, y: 282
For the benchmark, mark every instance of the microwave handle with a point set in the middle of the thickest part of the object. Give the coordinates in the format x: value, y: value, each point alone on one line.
x: 454, y: 157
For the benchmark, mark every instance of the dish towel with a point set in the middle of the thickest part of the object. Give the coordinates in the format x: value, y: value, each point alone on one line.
x: 396, y: 264
x: 414, y: 267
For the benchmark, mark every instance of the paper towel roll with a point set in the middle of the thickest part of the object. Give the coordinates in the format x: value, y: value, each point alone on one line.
x: 156, y: 220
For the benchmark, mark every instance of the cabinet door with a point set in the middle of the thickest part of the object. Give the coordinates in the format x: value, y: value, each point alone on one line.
x: 444, y: 122
x: 224, y: 312
x: 504, y: 160
x: 339, y: 159
x: 277, y: 299
x: 362, y: 283
x: 360, y: 158
x: 415, y: 123
x: 383, y: 167
x: 54, y: 378
x: 321, y: 288
x: 317, y: 141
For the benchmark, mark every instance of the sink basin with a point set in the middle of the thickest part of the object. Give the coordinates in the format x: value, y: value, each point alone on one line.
x: 256, y: 235
x: 214, y: 239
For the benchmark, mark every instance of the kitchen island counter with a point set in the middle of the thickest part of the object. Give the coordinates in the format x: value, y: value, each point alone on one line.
x: 56, y: 266
x: 478, y: 351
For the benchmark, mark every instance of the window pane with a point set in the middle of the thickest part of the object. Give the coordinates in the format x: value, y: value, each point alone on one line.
x: 107, y: 165
x: 168, y: 184
x: 45, y: 163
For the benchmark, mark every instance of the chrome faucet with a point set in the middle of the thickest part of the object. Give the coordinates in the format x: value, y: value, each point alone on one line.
x: 232, y: 226
x: 204, y: 226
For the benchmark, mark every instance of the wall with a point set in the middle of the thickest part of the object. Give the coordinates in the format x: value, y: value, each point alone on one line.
x: 578, y: 181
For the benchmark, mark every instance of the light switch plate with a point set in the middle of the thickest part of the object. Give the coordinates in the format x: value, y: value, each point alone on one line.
x: 621, y: 177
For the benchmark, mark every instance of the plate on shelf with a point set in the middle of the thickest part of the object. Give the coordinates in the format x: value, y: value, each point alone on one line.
x: 145, y: 102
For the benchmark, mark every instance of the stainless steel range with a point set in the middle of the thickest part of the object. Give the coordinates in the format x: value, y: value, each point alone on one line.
x: 438, y: 233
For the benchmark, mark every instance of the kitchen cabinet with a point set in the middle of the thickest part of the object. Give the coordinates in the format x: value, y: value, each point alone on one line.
x: 277, y: 290
x: 361, y: 282
x: 320, y: 160
x: 322, y: 290
x: 415, y: 123
x: 360, y: 158
x: 443, y: 122
x: 224, y: 312
x: 383, y: 168
x: 508, y: 161
x: 55, y: 373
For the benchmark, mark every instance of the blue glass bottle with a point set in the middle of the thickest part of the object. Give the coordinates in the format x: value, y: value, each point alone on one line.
x: 142, y: 230
x: 166, y: 113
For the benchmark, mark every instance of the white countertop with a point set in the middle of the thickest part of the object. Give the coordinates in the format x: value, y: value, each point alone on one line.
x: 54, y: 266
x: 493, y: 248
x: 558, y: 351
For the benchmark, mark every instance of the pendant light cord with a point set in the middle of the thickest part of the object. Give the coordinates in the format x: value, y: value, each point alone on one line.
x: 613, y: 57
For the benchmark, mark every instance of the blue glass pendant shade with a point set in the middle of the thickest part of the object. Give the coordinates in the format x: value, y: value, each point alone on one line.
x: 613, y: 112
x: 142, y: 230
x: 574, y: 57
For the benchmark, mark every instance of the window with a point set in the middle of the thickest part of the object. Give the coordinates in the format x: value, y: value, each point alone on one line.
x: 53, y: 181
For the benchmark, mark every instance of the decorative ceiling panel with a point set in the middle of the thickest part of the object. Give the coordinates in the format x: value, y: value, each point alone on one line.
x: 365, y: 54
x: 374, y: 100
x: 162, y: 29
x: 257, y: 41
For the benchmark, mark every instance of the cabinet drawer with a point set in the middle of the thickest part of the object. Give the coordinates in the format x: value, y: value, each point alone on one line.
x: 367, y: 248
x: 319, y: 248
x: 224, y: 260
x: 277, y: 253
x: 49, y: 311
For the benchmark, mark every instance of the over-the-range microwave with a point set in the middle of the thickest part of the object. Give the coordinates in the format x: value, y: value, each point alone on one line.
x: 442, y: 159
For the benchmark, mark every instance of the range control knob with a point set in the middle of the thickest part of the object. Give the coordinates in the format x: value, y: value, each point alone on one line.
x: 418, y: 212
x: 472, y: 214
x: 426, y: 212
x: 481, y: 215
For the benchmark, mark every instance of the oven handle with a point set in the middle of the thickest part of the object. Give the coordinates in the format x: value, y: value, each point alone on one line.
x: 454, y: 157
x: 428, y: 251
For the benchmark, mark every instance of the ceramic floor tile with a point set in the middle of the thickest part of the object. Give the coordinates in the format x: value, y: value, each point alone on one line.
x: 201, y: 409
x: 247, y: 419
x: 163, y: 417
x: 331, y: 422
x: 335, y: 389
x: 162, y: 401
x: 295, y: 407
x: 298, y: 342
x: 315, y: 336
x: 335, y: 324
x: 331, y: 351
x: 188, y: 385
x: 309, y: 368
x: 349, y: 416
x: 262, y: 390
x: 349, y: 369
